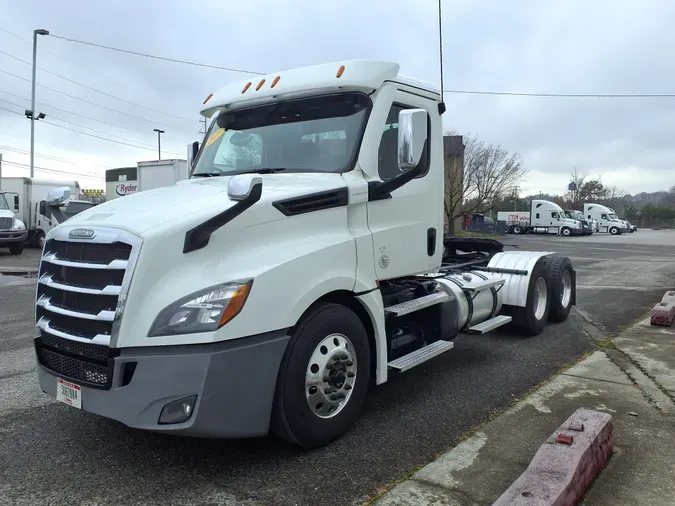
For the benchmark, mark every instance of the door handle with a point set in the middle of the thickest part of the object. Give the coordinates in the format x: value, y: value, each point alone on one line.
x: 431, y: 241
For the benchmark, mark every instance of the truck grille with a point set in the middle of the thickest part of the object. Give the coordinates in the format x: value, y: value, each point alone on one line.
x: 78, y: 290
x: 6, y: 223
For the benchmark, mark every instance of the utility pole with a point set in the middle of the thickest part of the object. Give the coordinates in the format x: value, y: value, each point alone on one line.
x: 39, y: 31
x: 159, y: 142
x: 515, y: 199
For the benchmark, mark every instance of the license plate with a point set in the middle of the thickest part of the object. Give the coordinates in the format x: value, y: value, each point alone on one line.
x: 69, y: 393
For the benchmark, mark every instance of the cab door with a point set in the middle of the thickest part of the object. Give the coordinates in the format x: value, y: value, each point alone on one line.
x: 407, y: 227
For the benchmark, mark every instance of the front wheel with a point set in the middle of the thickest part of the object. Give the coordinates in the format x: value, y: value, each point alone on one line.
x: 16, y: 248
x: 323, y: 378
x: 614, y: 231
x: 531, y: 319
x: 566, y: 231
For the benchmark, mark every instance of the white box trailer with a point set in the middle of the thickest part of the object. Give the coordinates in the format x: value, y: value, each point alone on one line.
x: 544, y: 217
x: 30, y: 193
x: 145, y: 176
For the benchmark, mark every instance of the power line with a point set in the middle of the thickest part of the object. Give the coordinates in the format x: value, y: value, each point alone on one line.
x: 94, y: 89
x: 49, y: 157
x: 42, y: 104
x: 564, y: 95
x: 173, y: 60
x: 88, y: 70
x: 104, y: 138
x: 24, y: 165
x: 93, y: 103
x: 137, y: 145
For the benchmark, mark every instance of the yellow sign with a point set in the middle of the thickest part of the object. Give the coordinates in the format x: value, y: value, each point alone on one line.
x: 215, y: 136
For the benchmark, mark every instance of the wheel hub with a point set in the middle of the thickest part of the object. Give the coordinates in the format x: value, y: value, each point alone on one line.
x: 330, y: 376
x: 540, y: 298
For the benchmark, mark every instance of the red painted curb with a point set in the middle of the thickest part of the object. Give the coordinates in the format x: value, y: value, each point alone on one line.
x: 561, y: 472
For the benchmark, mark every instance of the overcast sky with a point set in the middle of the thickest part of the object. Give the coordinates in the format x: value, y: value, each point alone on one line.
x: 571, y: 46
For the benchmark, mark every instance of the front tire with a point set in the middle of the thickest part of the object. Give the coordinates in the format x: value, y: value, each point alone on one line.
x: 323, y: 378
x: 531, y: 319
x: 16, y: 248
x: 614, y: 231
x: 561, y: 293
x: 566, y: 231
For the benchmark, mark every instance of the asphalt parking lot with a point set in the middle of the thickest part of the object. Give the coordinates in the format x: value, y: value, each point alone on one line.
x: 53, y: 454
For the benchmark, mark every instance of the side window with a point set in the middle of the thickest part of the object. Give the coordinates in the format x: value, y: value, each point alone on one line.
x: 387, y: 167
x: 604, y: 216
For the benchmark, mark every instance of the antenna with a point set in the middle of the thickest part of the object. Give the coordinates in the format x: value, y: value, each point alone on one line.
x: 441, y: 106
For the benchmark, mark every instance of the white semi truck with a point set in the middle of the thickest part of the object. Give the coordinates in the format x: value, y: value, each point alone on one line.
x: 12, y: 230
x: 544, y: 217
x: 29, y: 193
x: 303, y: 261
x: 587, y: 226
x: 608, y: 221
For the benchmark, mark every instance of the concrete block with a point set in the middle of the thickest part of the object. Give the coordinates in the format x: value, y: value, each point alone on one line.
x: 663, y: 314
x: 669, y: 296
x: 566, y: 465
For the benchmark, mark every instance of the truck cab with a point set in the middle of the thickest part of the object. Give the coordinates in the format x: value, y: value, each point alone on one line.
x: 12, y: 230
x: 549, y: 216
x: 587, y: 226
x: 302, y: 262
x: 608, y: 221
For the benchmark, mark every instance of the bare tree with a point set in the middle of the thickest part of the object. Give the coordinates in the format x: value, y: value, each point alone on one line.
x: 490, y: 172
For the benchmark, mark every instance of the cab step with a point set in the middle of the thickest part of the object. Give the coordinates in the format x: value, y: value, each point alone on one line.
x: 422, y: 355
x: 484, y: 284
x: 489, y: 325
x: 410, y: 306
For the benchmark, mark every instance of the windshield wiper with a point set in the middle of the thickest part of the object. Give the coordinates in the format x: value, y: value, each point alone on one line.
x: 207, y: 174
x: 264, y: 170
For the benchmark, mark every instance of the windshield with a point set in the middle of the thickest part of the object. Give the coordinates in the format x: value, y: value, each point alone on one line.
x: 320, y: 134
x: 613, y: 217
x: 3, y: 203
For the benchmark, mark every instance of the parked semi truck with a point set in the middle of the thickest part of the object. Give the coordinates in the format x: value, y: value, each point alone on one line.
x: 305, y: 263
x: 544, y: 217
x: 12, y: 229
x: 144, y: 176
x: 587, y: 226
x: 607, y: 219
x: 30, y: 192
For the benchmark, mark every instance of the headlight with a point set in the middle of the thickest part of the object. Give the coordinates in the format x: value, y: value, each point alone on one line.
x: 18, y: 225
x: 203, y: 311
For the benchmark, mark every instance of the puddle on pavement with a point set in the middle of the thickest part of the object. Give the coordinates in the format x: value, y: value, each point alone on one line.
x: 20, y: 274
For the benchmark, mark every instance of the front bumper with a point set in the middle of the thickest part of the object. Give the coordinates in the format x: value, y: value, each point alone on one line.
x: 234, y: 382
x: 11, y: 236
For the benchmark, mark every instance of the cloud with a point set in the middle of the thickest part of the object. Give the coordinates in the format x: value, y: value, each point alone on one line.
x: 524, y: 46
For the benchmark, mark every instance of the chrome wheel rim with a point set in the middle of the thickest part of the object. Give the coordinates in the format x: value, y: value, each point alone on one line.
x: 566, y: 282
x: 330, y: 376
x: 540, y: 298
x: 42, y: 241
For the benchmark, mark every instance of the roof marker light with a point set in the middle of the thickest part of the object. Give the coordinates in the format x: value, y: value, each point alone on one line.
x: 340, y: 71
x: 248, y: 85
x: 207, y: 98
x: 260, y: 84
x: 276, y: 80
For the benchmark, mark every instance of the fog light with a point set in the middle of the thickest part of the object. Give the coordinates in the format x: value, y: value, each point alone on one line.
x: 178, y: 411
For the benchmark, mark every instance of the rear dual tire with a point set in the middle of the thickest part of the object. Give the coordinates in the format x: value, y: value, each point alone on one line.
x: 561, y: 287
x: 531, y: 319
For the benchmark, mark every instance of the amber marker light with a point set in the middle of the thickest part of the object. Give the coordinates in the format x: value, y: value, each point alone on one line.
x: 248, y: 85
x: 340, y: 71
x: 260, y: 84
x: 207, y: 98
x: 236, y: 303
x: 276, y: 80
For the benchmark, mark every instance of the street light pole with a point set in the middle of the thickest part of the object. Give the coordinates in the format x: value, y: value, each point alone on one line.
x: 159, y: 142
x: 39, y: 31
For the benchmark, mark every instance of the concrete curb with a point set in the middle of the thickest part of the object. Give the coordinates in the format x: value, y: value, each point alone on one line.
x: 663, y: 313
x: 566, y: 465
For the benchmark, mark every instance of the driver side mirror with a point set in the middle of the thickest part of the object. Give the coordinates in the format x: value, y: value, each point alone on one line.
x: 43, y: 207
x: 16, y: 203
x: 58, y: 196
x: 412, y: 136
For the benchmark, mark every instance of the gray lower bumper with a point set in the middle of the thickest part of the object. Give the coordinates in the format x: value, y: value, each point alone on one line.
x: 10, y: 236
x: 234, y: 382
